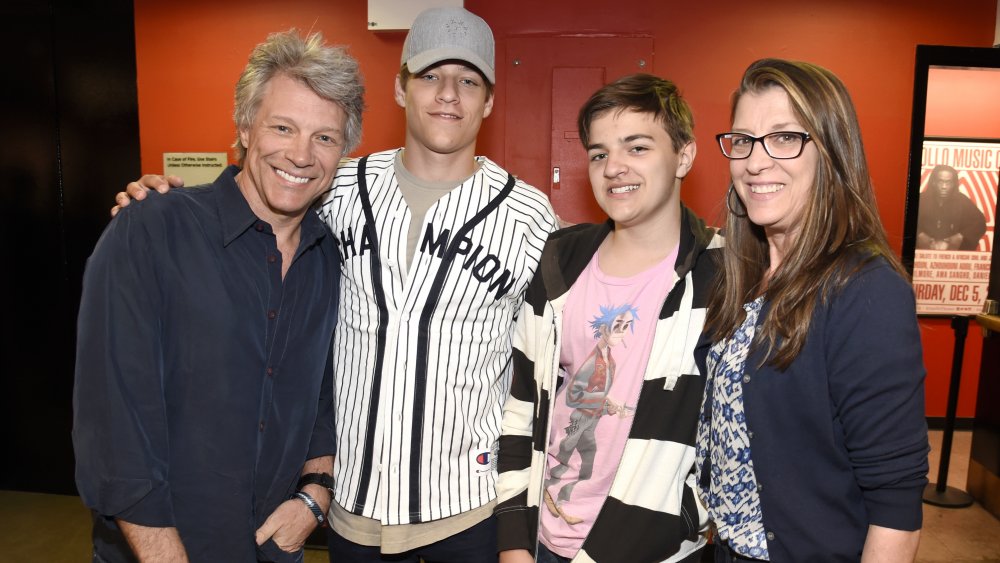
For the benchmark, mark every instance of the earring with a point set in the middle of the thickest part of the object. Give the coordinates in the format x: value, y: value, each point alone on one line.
x: 729, y: 204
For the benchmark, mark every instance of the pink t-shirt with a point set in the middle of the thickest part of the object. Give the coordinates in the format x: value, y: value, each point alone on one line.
x: 607, y: 332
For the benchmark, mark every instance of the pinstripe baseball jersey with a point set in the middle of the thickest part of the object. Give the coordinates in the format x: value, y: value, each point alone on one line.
x: 422, y: 354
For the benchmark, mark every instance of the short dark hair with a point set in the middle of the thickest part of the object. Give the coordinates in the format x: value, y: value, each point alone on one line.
x: 643, y: 93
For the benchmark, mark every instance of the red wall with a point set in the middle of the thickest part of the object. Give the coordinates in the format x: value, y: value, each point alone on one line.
x: 962, y: 102
x: 190, y: 52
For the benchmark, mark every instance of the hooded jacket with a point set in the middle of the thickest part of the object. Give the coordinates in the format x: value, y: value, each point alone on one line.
x: 651, y: 513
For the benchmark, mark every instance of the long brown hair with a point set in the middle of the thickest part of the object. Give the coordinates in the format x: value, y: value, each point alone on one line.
x: 840, y: 231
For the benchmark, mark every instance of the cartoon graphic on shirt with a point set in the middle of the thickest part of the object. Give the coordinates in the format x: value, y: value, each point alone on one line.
x: 587, y: 393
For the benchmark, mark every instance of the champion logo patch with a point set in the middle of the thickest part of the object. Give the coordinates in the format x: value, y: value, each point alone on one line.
x: 484, y: 461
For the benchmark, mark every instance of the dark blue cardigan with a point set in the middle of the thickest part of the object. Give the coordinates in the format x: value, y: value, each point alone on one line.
x: 839, y: 439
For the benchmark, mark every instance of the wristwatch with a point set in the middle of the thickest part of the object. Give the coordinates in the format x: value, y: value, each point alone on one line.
x: 324, y: 480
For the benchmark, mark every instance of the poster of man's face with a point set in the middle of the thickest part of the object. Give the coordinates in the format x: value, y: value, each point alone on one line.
x: 956, y: 221
x: 944, y: 181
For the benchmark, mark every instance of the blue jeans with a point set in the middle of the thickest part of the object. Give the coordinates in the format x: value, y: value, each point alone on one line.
x: 546, y: 556
x: 477, y: 544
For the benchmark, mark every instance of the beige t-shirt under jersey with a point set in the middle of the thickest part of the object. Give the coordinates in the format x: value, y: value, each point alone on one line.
x: 420, y: 195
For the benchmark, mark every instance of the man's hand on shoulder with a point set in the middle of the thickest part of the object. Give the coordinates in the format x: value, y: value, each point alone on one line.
x: 137, y: 190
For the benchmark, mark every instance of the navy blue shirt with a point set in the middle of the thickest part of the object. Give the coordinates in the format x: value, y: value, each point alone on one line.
x: 203, y: 380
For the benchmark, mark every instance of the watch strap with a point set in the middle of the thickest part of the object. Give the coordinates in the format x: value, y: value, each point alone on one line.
x: 324, y: 480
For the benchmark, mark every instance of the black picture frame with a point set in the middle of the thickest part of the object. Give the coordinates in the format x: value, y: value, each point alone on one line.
x: 928, y: 57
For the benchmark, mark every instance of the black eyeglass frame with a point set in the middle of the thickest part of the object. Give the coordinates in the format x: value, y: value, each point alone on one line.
x: 806, y: 137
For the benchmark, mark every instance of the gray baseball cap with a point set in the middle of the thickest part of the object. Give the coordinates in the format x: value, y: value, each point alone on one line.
x: 441, y: 34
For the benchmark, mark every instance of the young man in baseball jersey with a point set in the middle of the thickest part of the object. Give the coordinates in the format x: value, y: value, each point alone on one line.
x: 597, y: 455
x: 437, y: 248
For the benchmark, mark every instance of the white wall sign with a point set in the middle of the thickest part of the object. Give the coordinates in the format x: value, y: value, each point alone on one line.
x: 195, y: 168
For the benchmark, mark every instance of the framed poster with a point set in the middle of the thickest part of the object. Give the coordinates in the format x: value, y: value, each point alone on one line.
x: 951, y: 198
x: 956, y: 220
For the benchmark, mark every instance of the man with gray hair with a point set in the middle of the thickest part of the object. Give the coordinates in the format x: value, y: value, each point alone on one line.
x: 203, y: 408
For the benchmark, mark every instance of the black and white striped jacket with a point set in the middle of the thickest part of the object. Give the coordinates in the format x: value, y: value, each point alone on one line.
x: 651, y: 513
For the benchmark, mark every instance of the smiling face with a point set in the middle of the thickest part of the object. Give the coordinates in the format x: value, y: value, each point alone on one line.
x: 634, y: 170
x: 293, y: 149
x: 445, y: 107
x: 775, y: 192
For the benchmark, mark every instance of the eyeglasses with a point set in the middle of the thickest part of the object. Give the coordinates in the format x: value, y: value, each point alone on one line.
x: 780, y: 144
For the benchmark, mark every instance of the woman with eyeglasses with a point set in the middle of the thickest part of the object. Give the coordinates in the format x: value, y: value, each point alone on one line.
x: 812, y: 443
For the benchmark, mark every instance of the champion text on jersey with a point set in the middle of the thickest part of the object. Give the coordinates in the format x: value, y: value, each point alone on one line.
x: 484, y: 266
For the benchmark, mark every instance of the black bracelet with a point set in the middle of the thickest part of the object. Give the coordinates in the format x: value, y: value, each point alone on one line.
x: 324, y: 480
x: 313, y: 507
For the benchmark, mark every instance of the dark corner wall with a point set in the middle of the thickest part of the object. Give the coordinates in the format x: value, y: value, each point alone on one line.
x: 69, y: 134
